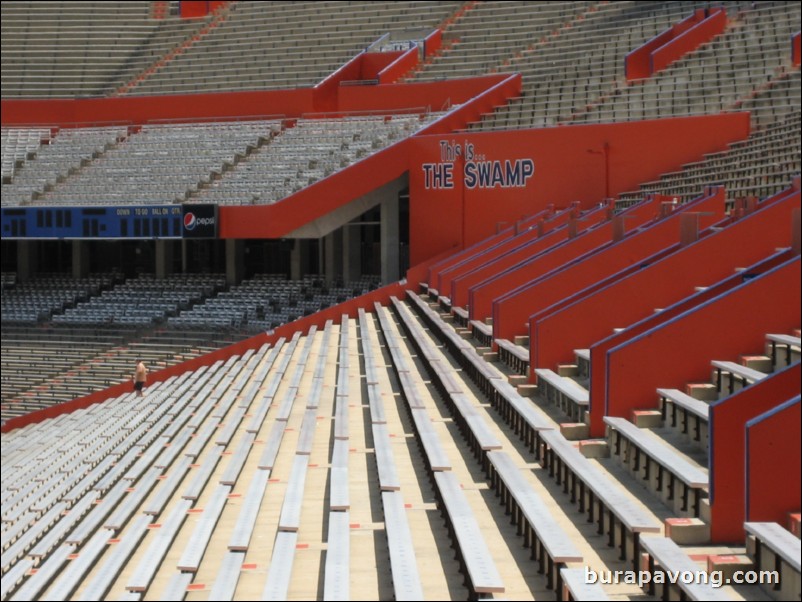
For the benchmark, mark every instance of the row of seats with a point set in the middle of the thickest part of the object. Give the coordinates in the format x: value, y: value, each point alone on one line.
x: 45, y: 366
x: 40, y: 298
x: 64, y: 49
x: 271, y: 424
x: 307, y: 152
x: 243, y: 162
x: 759, y: 166
x: 265, y: 302
x: 60, y: 49
x: 161, y: 163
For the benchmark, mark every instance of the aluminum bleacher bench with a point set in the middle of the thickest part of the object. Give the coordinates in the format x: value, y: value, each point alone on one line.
x: 72, y: 576
x: 461, y: 316
x: 788, y: 343
x: 576, y: 588
x: 735, y: 373
x: 671, y: 558
x: 678, y: 472
x: 376, y: 404
x: 143, y: 575
x: 14, y: 575
x: 482, y: 332
x: 176, y: 587
x: 270, y: 452
x: 776, y: 549
x: 406, y: 579
x: 551, y: 547
x: 388, y: 474
x: 278, y: 577
x: 336, y: 581
x: 470, y: 421
x: 339, y: 496
x: 243, y: 528
x: 596, y: 495
x: 57, y: 533
x: 238, y: 459
x: 476, y: 561
x: 436, y: 458
x: 482, y: 373
x: 196, y: 545
x: 563, y: 392
x: 225, y: 584
x: 290, y: 518
x: 133, y: 500
x: 307, y: 432
x: 583, y: 362
x: 526, y: 419
x: 202, y: 474
x: 164, y: 493
x: 513, y: 355
x: 686, y: 413
x: 45, y: 573
x: 31, y: 535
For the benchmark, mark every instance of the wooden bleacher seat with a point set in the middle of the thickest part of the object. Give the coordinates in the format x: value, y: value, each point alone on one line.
x: 734, y: 374
x: 566, y: 394
x: 475, y: 559
x: 575, y: 587
x: 686, y: 413
x: 336, y: 580
x: 774, y: 548
x: 678, y: 472
x: 596, y: 495
x: 551, y: 548
x: 406, y: 578
x: 515, y: 356
x: 662, y: 552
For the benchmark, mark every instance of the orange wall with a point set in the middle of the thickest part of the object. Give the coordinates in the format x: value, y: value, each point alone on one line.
x: 773, y: 464
x: 435, y: 95
x: 586, y: 319
x: 569, y: 165
x: 680, y: 350
x: 728, y: 419
x: 328, y: 96
x: 141, y: 109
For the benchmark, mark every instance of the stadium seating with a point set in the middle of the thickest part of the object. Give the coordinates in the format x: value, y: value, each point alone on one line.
x: 610, y: 386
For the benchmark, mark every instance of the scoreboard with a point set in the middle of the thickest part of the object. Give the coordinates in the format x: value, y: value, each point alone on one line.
x: 123, y: 222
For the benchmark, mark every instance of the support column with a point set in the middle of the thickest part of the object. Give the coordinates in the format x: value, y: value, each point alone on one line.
x: 352, y: 246
x: 390, y: 240
x: 296, y: 259
x: 333, y: 244
x: 164, y: 258
x: 184, y: 262
x: 80, y: 259
x: 235, y: 257
x: 27, y: 259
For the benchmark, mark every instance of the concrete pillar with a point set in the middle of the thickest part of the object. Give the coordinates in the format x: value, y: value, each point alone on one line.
x: 390, y: 240
x: 27, y: 259
x: 352, y: 247
x: 235, y: 258
x: 333, y: 254
x: 296, y: 259
x: 80, y: 259
x: 184, y: 262
x: 164, y: 258
x: 329, y: 257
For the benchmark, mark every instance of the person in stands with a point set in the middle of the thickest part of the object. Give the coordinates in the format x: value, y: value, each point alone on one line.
x: 140, y: 377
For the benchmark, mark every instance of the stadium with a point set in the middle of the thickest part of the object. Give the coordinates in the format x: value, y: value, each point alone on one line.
x: 437, y: 300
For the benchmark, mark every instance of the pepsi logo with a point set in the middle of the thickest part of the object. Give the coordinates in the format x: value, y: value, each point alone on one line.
x: 190, y: 221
